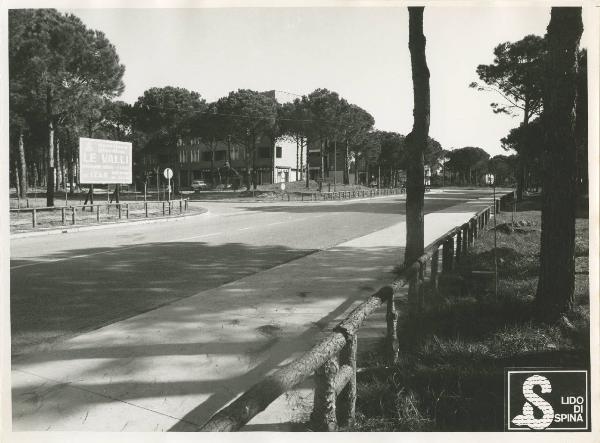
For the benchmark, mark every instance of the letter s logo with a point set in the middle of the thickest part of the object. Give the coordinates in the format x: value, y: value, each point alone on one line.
x: 527, y: 418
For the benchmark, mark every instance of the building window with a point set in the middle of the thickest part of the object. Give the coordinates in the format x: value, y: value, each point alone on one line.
x: 206, y: 156
x: 220, y: 155
x: 264, y: 152
x: 278, y: 151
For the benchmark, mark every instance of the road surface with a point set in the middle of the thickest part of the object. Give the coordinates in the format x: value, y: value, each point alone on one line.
x: 65, y: 284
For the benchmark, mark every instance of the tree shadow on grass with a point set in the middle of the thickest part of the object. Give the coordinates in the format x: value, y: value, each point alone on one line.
x: 463, y: 395
x: 511, y: 264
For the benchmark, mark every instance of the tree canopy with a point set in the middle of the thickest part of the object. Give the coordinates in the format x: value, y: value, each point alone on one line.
x: 57, y: 68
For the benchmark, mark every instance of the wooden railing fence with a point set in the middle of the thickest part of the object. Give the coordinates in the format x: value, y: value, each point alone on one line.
x: 122, y: 210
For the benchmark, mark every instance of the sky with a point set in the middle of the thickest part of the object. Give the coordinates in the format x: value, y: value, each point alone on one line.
x: 361, y: 53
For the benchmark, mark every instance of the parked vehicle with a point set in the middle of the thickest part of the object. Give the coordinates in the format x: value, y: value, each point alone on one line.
x: 199, y: 185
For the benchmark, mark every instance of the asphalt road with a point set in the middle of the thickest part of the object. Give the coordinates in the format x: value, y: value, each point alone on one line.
x: 62, y: 285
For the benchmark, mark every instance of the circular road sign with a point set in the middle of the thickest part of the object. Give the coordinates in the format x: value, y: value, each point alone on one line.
x: 168, y: 173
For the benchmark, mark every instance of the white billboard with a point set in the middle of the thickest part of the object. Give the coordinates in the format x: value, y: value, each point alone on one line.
x: 104, y: 161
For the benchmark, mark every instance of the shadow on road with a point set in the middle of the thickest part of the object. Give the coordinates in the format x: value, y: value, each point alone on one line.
x: 48, y: 305
x: 220, y: 349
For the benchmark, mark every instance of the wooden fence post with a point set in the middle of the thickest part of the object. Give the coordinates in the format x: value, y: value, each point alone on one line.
x: 451, y: 253
x: 447, y: 254
x: 413, y: 289
x: 346, y: 401
x: 119, y: 208
x: 458, y: 246
x: 433, y: 278
x: 323, y: 417
x: 392, y: 325
x: 421, y: 280
x: 97, y: 213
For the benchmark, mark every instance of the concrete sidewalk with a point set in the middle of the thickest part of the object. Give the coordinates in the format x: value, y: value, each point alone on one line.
x: 174, y: 367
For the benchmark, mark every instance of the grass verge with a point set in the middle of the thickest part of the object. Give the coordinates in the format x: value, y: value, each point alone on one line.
x: 451, y: 371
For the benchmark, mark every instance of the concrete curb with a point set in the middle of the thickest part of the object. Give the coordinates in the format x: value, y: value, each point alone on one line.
x: 299, y: 201
x: 67, y: 230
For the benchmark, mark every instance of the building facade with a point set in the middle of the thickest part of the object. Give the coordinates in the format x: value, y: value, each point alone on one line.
x: 272, y: 162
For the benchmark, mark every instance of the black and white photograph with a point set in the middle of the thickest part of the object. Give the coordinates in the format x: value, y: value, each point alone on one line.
x: 345, y: 217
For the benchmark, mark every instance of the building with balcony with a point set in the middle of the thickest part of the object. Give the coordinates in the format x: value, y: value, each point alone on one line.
x: 274, y: 161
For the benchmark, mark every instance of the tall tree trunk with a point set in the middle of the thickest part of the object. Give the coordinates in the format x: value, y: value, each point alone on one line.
x: 247, y: 178
x: 36, y: 178
x: 301, y: 157
x: 57, y: 163
x: 50, y: 168
x: 297, y: 155
x: 14, y: 172
x: 417, y: 139
x: 557, y: 254
x: 307, y: 166
x: 22, y: 168
x: 346, y: 166
x: 71, y: 175
x: 50, y: 150
x: 581, y: 126
x: 521, y: 162
x: 322, y: 161
x: 254, y: 176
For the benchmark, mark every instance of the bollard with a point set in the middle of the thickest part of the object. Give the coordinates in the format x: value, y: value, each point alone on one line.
x: 33, y: 217
x: 97, y: 213
x: 170, y: 207
x: 163, y: 205
x: 119, y: 208
x: 62, y: 214
x: 146, y: 208
x: 127, y: 211
x: 73, y: 215
x: 180, y: 206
